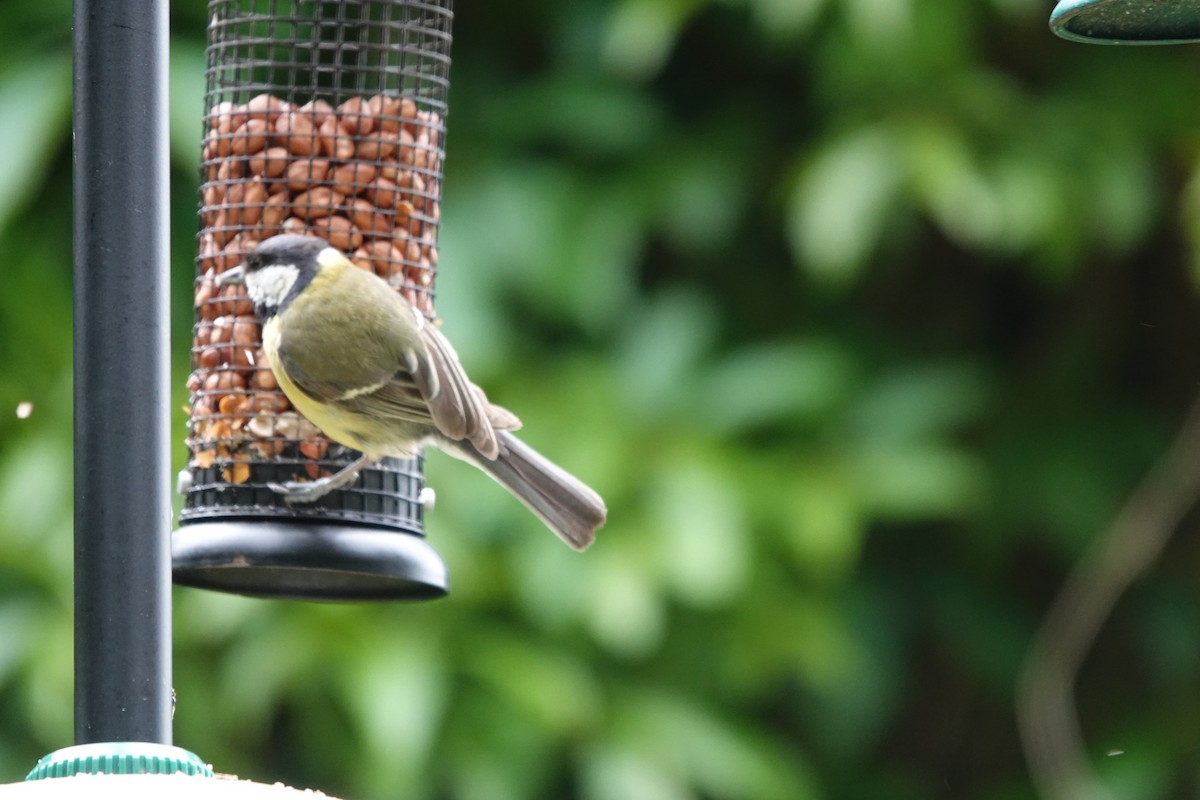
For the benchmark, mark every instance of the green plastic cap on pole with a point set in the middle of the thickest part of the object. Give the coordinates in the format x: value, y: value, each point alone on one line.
x: 119, y: 758
x: 1127, y: 21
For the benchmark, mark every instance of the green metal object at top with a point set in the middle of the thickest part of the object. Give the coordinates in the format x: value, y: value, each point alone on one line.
x: 1127, y: 21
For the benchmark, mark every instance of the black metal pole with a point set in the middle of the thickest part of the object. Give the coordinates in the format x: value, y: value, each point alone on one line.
x: 122, y: 505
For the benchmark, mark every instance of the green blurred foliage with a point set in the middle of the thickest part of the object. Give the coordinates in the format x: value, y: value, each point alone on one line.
x: 863, y: 316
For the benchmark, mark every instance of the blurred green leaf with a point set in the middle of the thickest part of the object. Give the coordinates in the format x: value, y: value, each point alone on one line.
x: 186, y: 103
x: 715, y: 757
x: 41, y: 89
x: 919, y: 404
x: 616, y: 774
x: 825, y: 520
x: 776, y: 383
x: 704, y: 535
x: 552, y: 688
x: 18, y: 623
x: 398, y: 694
x: 840, y: 205
x: 946, y: 177
x: 626, y: 615
x: 661, y: 346
x: 848, y: 714
x: 599, y: 117
x: 783, y: 18
x: 920, y: 481
x: 643, y: 32
x: 35, y: 504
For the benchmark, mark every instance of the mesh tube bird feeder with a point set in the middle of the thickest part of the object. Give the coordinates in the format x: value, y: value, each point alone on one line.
x: 324, y: 119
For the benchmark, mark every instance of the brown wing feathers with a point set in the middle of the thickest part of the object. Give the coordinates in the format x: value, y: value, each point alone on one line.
x: 459, y: 408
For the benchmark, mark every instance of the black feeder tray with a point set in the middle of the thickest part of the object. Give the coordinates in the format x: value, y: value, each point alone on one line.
x: 323, y: 118
x: 365, y: 542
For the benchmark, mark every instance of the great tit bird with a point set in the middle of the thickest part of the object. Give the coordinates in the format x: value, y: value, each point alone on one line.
x: 369, y: 370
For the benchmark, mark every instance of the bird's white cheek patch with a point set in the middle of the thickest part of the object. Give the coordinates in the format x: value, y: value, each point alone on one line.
x: 269, y: 285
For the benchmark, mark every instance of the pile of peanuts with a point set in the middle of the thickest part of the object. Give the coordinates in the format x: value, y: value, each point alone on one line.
x: 364, y: 176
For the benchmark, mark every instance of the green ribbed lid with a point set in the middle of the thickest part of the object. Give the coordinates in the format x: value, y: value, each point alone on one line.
x: 119, y: 758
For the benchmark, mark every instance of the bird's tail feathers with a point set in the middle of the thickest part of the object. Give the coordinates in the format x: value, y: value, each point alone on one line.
x: 564, y: 503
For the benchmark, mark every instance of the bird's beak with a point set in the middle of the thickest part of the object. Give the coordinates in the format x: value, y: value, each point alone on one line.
x: 232, y: 277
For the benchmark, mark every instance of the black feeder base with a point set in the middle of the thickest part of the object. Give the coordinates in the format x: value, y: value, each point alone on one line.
x: 303, y: 560
x: 361, y: 542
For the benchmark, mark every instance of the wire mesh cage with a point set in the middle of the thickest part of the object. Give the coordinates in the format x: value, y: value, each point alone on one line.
x: 327, y: 119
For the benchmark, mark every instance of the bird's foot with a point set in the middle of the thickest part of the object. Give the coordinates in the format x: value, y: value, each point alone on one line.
x: 311, y: 491
x: 303, y: 491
